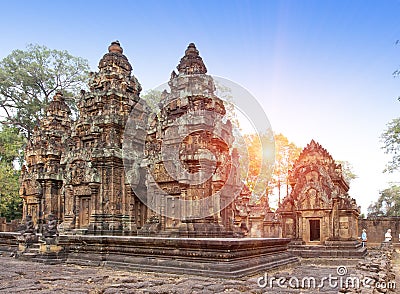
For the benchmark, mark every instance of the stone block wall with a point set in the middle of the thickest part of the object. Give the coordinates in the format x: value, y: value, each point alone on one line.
x: 377, y: 226
x: 8, y: 227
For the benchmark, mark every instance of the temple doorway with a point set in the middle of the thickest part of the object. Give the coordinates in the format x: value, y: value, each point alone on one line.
x: 315, y: 230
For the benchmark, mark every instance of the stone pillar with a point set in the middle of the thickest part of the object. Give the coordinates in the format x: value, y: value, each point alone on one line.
x: 335, y: 218
x: 299, y: 225
x: 96, y: 217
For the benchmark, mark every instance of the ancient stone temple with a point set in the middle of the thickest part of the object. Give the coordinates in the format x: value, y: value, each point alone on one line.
x: 173, y: 179
x: 319, y: 210
x: 42, y: 176
x: 193, y: 168
x: 97, y: 198
x: 75, y: 169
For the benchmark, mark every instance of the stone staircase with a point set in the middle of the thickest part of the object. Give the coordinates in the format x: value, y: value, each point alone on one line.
x: 30, y: 252
x: 331, y: 249
x: 40, y: 252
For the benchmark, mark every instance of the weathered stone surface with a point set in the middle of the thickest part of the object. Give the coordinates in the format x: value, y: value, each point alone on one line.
x: 25, y: 276
x: 217, y: 257
x: 21, y: 276
x: 97, y: 199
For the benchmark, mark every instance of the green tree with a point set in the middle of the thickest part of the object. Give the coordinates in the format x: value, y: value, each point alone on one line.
x: 11, y: 146
x: 29, y: 78
x: 286, y: 153
x: 11, y: 156
x: 391, y: 141
x: 347, y: 170
x: 10, y: 202
x: 153, y: 99
x: 388, y: 203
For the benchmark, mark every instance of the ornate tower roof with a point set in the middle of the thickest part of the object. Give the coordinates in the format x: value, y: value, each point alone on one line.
x: 58, y: 107
x: 191, y: 63
x: 314, y: 152
x: 43, y: 152
x: 114, y: 77
x: 57, y: 120
x: 316, y: 170
x: 315, y: 155
x: 114, y: 60
x: 192, y: 82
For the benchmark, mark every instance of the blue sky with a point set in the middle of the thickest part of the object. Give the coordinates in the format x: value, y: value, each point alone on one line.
x: 321, y: 69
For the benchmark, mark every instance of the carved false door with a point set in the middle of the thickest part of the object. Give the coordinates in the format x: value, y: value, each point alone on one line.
x: 84, y: 212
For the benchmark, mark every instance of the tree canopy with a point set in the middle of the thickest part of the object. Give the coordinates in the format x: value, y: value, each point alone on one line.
x: 29, y: 78
x: 11, y: 157
x: 388, y: 203
x: 347, y: 170
x: 275, y: 180
x: 391, y: 141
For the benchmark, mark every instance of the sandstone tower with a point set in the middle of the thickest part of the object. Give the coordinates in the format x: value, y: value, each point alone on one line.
x: 97, y: 198
x: 185, y: 170
x: 42, y: 176
x: 192, y: 166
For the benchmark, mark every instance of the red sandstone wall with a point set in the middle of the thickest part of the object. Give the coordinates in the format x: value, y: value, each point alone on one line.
x: 376, y: 228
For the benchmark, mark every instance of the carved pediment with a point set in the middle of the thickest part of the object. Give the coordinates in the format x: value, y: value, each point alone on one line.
x: 313, y: 198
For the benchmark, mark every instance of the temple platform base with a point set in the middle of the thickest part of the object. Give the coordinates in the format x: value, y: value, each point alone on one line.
x: 214, y: 257
x: 330, y: 249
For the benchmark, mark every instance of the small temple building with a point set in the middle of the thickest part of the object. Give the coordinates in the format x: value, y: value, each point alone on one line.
x: 319, y: 211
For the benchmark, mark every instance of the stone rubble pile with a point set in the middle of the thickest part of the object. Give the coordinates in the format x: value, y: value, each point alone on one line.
x: 375, y: 273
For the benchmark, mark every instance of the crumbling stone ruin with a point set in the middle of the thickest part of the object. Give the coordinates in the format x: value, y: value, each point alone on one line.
x: 374, y: 273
